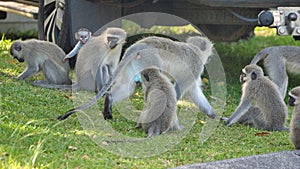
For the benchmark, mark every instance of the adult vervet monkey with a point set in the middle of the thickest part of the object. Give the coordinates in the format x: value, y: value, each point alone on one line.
x: 277, y: 60
x: 269, y: 111
x: 97, y: 60
x: 182, y: 60
x: 294, y: 95
x: 41, y: 56
x: 81, y: 36
x: 159, y: 112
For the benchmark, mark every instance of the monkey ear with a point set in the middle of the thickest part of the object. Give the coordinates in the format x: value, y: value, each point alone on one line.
x: 146, y: 77
x: 253, y: 76
x: 112, y: 41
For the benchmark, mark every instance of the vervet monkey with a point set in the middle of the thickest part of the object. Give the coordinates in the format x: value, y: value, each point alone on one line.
x: 294, y: 95
x: 81, y: 36
x: 277, y: 60
x: 262, y: 93
x: 97, y: 60
x: 184, y: 61
x: 159, y: 112
x: 41, y: 56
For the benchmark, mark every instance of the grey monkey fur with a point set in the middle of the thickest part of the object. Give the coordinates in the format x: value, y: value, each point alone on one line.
x: 42, y: 56
x: 159, y: 112
x: 182, y: 60
x: 269, y: 111
x: 277, y: 61
x: 294, y: 95
x: 97, y: 60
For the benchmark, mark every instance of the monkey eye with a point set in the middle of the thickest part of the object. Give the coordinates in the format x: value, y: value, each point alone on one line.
x: 18, y: 48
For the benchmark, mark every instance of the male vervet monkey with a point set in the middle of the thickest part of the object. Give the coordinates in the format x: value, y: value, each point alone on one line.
x: 41, y: 56
x: 159, y: 112
x: 184, y: 61
x: 277, y: 60
x: 81, y: 36
x: 269, y: 112
x: 97, y: 60
x: 294, y: 95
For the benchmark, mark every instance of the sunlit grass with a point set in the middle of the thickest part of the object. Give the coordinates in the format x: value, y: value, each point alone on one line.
x: 264, y: 31
x: 30, y: 137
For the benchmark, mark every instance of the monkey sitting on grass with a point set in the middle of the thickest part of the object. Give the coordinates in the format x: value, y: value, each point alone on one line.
x: 295, y: 122
x: 42, y: 56
x: 269, y: 111
x: 159, y: 112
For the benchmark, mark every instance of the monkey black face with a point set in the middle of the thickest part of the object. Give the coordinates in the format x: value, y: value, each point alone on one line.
x: 292, y: 101
x: 83, y: 39
x: 112, y: 41
x: 14, y: 50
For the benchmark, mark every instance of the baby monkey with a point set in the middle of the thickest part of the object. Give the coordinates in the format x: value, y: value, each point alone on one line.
x: 82, y: 36
x: 41, y: 56
x: 294, y: 95
x: 269, y: 111
x: 159, y: 112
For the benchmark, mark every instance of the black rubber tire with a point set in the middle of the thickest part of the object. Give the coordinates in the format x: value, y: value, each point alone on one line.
x: 53, y: 24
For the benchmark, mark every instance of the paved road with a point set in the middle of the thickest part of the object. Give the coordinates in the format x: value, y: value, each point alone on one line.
x: 280, y: 160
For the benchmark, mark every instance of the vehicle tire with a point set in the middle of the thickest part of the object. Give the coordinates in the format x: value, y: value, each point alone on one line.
x: 53, y: 23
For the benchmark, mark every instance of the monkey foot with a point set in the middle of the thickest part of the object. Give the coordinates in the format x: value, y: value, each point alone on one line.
x: 107, y: 111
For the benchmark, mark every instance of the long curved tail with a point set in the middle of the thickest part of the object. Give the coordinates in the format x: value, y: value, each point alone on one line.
x: 56, y: 86
x: 87, y: 105
x: 260, y: 56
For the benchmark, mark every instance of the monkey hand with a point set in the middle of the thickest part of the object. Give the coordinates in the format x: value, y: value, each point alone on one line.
x: 226, y: 120
x: 107, y: 110
x: 65, y: 58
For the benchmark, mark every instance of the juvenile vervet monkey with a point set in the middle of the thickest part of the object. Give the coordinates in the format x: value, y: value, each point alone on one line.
x: 269, y: 111
x: 97, y: 60
x: 41, y: 56
x: 81, y: 36
x: 294, y: 95
x: 159, y: 112
x: 182, y: 60
x: 277, y: 60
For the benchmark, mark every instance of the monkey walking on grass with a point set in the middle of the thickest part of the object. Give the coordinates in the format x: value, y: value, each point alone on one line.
x: 42, y: 56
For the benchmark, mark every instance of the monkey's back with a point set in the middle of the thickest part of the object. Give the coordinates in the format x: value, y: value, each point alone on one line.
x: 160, y: 84
x: 268, y: 98
x: 43, y: 50
x: 88, y: 60
x: 175, y: 51
x: 89, y: 56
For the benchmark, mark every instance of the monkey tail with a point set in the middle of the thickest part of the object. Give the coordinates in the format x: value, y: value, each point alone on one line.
x: 87, y: 105
x: 260, y: 56
x: 55, y: 86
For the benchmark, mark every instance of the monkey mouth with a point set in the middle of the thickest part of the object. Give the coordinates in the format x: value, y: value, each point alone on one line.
x: 242, y: 78
x: 19, y: 59
x: 291, y: 101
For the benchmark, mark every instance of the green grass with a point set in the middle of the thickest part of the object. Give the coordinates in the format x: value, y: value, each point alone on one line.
x: 30, y: 137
